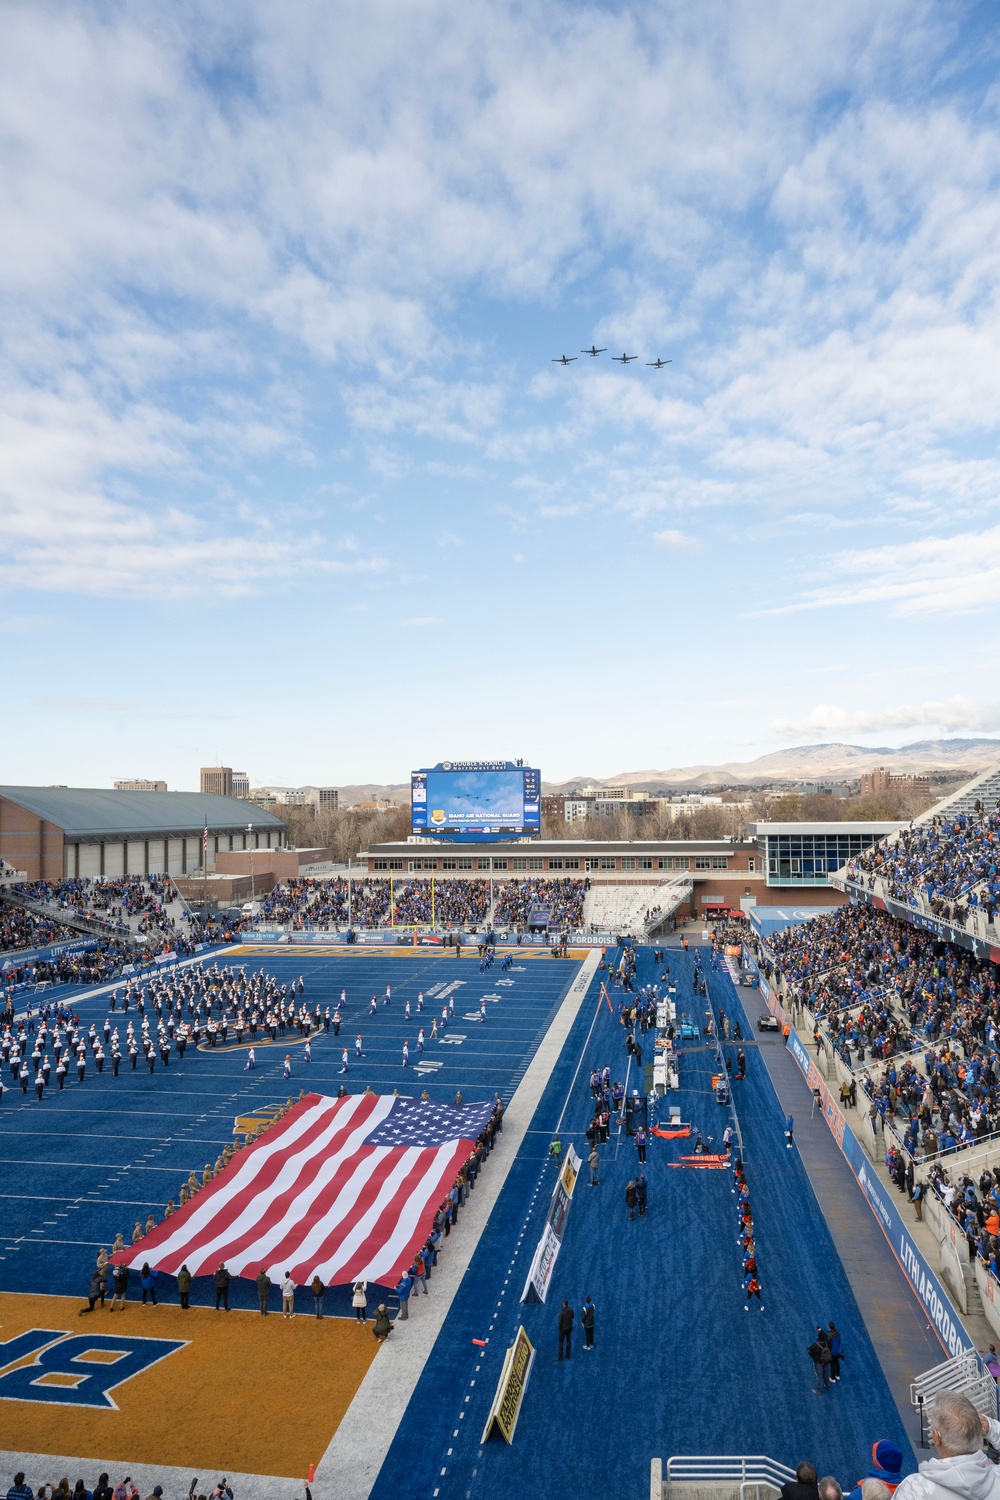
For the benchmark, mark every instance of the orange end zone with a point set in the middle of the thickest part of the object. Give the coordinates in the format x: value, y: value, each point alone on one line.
x: 196, y: 1383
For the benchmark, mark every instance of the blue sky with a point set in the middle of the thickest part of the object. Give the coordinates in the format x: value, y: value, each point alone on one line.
x: 287, y: 476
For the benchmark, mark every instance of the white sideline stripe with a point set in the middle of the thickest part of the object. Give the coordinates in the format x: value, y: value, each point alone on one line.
x: 351, y: 1464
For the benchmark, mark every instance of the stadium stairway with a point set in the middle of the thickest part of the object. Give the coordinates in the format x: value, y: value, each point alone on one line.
x: 985, y: 789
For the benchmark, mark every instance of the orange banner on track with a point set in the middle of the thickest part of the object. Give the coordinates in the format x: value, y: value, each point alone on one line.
x: 701, y: 1163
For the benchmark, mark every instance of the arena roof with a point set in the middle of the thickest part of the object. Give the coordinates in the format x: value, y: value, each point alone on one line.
x: 92, y: 812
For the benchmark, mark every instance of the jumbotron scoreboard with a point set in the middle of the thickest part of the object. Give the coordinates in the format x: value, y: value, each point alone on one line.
x: 477, y: 800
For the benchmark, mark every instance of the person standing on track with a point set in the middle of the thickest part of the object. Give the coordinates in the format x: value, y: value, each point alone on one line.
x: 587, y: 1320
x: 640, y: 1143
x: 789, y: 1132
x: 565, y: 1330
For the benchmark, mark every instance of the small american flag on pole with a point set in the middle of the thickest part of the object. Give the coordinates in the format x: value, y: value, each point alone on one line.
x: 204, y: 844
x: 344, y: 1189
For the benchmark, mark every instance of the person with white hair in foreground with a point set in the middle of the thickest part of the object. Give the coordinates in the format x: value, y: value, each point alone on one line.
x: 961, y: 1471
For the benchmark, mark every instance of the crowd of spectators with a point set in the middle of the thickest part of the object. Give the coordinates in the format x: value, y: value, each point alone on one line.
x: 130, y: 904
x: 407, y: 902
x: 954, y: 863
x: 20, y: 929
x: 880, y: 988
x: 562, y: 898
x: 103, y: 1490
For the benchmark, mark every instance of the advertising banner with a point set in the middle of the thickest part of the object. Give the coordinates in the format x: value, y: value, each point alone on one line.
x: 506, y: 1406
x: 536, y: 1286
x: 51, y: 950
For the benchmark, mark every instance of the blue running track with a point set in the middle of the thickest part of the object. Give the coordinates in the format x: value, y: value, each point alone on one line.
x: 679, y: 1366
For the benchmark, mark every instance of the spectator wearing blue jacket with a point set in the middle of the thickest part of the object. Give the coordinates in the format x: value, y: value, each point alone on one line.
x: 147, y: 1281
x: 403, y: 1293
x: 887, y: 1465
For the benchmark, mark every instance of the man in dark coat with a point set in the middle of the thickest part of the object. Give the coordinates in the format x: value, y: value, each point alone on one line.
x: 222, y: 1287
x: 803, y: 1486
x: 587, y: 1320
x: 565, y: 1329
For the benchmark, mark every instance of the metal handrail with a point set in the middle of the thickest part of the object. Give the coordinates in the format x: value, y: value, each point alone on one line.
x: 752, y: 1468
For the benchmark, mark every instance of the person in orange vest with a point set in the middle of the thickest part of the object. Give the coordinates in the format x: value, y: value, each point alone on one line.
x: 785, y: 1030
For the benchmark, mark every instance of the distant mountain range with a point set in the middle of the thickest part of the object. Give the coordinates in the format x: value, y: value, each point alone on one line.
x: 955, y: 759
x: 812, y: 763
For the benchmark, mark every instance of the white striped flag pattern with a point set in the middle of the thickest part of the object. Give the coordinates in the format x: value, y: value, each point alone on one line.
x: 343, y: 1189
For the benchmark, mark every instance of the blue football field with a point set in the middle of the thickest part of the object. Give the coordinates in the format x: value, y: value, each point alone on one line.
x: 89, y: 1161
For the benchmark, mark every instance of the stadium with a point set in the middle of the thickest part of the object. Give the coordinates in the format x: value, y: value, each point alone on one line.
x: 446, y: 1125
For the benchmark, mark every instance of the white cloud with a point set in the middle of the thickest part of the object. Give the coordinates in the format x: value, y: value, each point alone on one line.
x: 936, y: 575
x: 951, y: 717
x: 419, y: 621
x: 676, y: 539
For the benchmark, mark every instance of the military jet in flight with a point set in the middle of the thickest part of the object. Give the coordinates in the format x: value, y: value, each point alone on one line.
x: 563, y: 360
x: 594, y: 352
x: 657, y: 364
x: 624, y: 359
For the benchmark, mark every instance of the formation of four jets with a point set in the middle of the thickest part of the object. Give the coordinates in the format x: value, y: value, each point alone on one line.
x: 620, y: 359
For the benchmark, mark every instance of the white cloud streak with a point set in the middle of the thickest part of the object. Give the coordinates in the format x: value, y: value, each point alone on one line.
x: 937, y: 575
x: 951, y: 717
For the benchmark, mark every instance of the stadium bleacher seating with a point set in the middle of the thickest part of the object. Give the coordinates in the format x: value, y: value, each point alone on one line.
x: 946, y: 863
x: 319, y: 903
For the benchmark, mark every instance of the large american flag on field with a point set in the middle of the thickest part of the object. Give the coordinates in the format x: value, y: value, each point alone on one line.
x: 344, y: 1189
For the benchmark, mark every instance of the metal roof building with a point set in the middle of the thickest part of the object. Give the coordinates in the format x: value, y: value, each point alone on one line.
x: 51, y: 832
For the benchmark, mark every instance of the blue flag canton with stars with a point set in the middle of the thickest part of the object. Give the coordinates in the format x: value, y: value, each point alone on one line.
x: 427, y: 1124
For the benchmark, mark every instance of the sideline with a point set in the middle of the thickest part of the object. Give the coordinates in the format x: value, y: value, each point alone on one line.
x: 359, y: 1447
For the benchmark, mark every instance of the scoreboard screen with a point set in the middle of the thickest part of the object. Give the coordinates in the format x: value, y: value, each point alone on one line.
x: 476, y: 800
